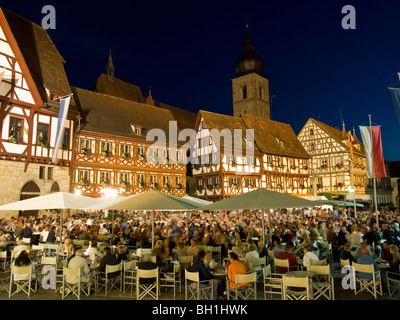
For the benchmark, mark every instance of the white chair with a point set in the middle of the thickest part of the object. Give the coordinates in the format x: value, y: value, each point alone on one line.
x: 5, y: 279
x: 50, y: 261
x: 318, y: 262
x: 25, y: 284
x: 147, y: 289
x: 110, y: 279
x: 129, y: 275
x: 272, y: 282
x: 296, y: 288
x: 3, y: 259
x: 171, y: 279
x: 257, y: 265
x: 323, y: 282
x: 199, y: 290
x: 362, y: 283
x: 283, y: 263
x: 74, y: 287
x: 246, y: 291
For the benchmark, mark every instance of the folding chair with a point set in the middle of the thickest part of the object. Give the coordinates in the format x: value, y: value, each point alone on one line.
x: 49, y: 261
x: 323, y: 282
x: 216, y: 254
x: 272, y: 282
x: 147, y: 289
x: 296, y: 288
x: 318, y: 262
x: 24, y: 285
x: 373, y: 285
x: 129, y: 275
x: 244, y: 292
x: 3, y: 259
x: 170, y: 279
x: 283, y: 263
x: 74, y: 286
x: 199, y: 290
x: 257, y: 265
x: 107, y: 281
x: 5, y: 279
x: 112, y: 282
x: 393, y: 282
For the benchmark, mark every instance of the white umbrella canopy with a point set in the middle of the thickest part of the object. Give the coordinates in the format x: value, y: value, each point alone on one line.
x: 260, y: 199
x: 58, y: 200
x: 197, y: 200
x: 150, y: 200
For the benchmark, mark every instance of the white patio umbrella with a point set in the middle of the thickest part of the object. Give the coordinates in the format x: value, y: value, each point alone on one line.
x: 149, y: 201
x: 57, y: 200
x: 260, y: 199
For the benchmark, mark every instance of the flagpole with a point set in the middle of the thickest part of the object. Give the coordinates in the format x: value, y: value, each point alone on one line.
x: 60, y: 98
x: 374, y: 178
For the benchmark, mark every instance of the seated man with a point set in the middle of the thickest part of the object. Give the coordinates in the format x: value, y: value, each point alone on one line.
x: 346, y: 253
x: 79, y: 262
x: 204, y: 273
x: 108, y: 259
x: 358, y: 252
x: 287, y: 254
x: 367, y: 259
x: 235, y: 266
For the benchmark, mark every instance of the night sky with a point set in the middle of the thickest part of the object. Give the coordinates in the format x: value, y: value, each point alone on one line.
x: 186, y: 51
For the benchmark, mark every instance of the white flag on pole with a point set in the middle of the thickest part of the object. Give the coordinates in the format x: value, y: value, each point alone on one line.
x: 62, y: 116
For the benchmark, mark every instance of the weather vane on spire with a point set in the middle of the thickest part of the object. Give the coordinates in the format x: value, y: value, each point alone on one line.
x: 246, y: 20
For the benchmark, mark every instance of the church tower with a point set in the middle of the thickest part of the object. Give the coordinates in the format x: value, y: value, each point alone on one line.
x: 250, y: 89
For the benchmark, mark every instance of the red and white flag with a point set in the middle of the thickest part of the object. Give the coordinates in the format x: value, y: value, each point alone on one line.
x: 371, y: 137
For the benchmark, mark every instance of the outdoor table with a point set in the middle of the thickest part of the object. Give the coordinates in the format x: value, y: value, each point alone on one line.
x: 219, y: 274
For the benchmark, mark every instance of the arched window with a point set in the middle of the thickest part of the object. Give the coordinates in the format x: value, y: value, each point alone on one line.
x: 311, y: 132
x: 55, y: 187
x: 29, y: 190
x: 312, y: 147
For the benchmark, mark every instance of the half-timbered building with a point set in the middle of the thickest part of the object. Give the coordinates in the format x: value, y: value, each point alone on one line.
x: 332, y: 163
x: 269, y: 156
x: 34, y: 80
x: 113, y: 151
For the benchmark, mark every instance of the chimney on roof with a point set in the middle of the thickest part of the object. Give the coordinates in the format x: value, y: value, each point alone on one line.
x: 110, y: 68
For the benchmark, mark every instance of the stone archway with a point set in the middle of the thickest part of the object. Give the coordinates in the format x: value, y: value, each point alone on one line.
x: 29, y: 190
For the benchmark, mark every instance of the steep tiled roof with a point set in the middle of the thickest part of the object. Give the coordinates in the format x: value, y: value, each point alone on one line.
x: 115, y: 116
x: 273, y: 137
x: 45, y: 63
x: 118, y: 88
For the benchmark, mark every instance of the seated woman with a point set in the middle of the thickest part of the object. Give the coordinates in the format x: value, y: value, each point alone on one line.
x: 66, y: 249
x: 23, y: 260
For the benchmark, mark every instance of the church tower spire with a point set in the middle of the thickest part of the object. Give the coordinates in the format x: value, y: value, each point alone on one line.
x: 250, y: 88
x: 110, y: 68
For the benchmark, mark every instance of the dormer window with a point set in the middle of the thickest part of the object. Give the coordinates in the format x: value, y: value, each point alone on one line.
x: 137, y: 129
